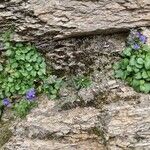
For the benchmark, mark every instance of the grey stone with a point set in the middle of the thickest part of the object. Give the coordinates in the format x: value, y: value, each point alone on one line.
x: 49, y: 129
x: 55, y: 26
x: 69, y: 18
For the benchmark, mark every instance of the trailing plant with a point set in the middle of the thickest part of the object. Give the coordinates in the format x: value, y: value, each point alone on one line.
x: 23, y: 66
x: 51, y: 86
x: 23, y: 107
x: 81, y: 81
x: 134, y: 66
x: 23, y: 71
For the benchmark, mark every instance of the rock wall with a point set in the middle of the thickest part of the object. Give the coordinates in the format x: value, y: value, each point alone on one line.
x: 108, y: 115
x: 60, y: 19
x: 47, y: 23
x: 81, y: 36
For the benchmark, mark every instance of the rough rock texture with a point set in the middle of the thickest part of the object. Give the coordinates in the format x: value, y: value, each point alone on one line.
x: 116, y: 121
x: 85, y: 54
x: 128, y: 124
x: 5, y: 133
x: 46, y: 22
x: 48, y: 129
x: 107, y: 115
x: 73, y: 17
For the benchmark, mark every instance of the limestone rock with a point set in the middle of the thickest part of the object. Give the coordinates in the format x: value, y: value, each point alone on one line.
x: 122, y: 122
x: 47, y: 22
x: 46, y: 128
x: 26, y: 144
x: 67, y: 18
x: 5, y: 133
x: 127, y: 124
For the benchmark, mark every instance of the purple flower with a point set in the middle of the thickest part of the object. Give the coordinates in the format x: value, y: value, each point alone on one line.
x: 136, y: 46
x: 143, y: 39
x: 138, y: 34
x: 6, y: 102
x: 30, y: 94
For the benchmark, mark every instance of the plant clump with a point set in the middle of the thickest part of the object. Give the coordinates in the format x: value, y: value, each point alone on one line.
x: 23, y: 74
x: 81, y: 81
x: 134, y: 66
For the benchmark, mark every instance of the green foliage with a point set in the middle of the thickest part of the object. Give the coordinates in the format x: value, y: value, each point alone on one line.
x: 23, y: 107
x: 23, y: 71
x: 134, y: 68
x: 52, y: 86
x: 22, y: 68
x: 81, y: 81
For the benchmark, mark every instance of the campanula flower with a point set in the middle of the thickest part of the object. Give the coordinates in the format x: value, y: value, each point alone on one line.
x: 136, y: 46
x: 6, y: 102
x: 30, y: 94
x: 143, y: 39
x: 138, y: 34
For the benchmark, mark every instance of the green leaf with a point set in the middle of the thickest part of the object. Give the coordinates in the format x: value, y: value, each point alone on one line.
x: 147, y: 62
x: 8, y: 52
x: 139, y: 66
x: 39, y: 60
x: 29, y: 68
x: 28, y: 57
x: 10, y: 79
x: 12, y: 89
x: 129, y: 80
x: 41, y: 72
x: 19, y: 45
x: 24, y: 73
x: 1, y: 67
x: 124, y: 63
x: 116, y: 66
x: 34, y: 57
x: 145, y: 87
x: 135, y: 83
x: 144, y: 75
x: 138, y: 75
x: 27, y: 65
x: 127, y: 52
x: 136, y: 70
x: 14, y: 65
x: 7, y: 45
x: 17, y: 87
x: 17, y: 74
x: 33, y: 73
x: 140, y: 61
x: 142, y: 82
x: 53, y: 97
x: 22, y: 57
x: 148, y: 72
x: 43, y: 65
x: 132, y: 61
x: 129, y: 68
x: 146, y: 48
x: 36, y: 66
x: 119, y: 74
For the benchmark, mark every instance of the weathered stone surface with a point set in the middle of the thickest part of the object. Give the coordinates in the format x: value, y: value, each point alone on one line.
x: 48, y: 129
x: 26, y: 144
x: 85, y: 54
x: 107, y: 115
x: 5, y: 133
x: 121, y: 122
x: 127, y: 124
x: 44, y: 21
x: 69, y: 18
